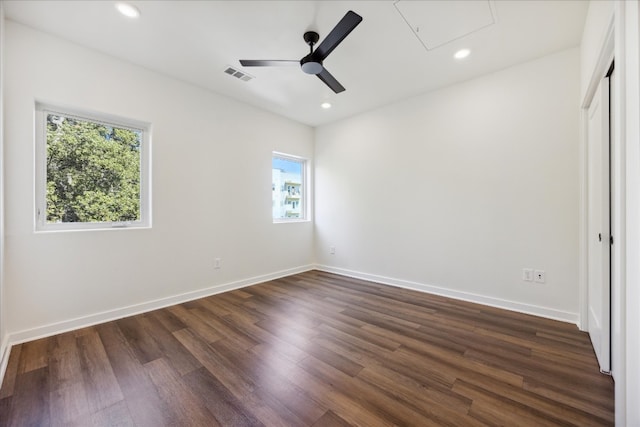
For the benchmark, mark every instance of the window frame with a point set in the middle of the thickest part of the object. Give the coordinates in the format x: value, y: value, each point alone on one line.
x: 40, y: 218
x: 304, y: 185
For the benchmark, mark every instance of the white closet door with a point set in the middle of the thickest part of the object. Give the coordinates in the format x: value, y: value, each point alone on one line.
x: 599, y: 283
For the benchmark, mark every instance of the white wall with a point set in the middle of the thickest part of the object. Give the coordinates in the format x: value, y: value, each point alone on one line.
x: 61, y: 280
x: 3, y: 334
x: 457, y: 190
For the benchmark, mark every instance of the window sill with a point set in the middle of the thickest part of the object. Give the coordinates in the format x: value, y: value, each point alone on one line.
x: 293, y: 220
x: 115, y: 227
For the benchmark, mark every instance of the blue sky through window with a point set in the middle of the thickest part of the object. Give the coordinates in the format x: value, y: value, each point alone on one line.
x: 288, y: 166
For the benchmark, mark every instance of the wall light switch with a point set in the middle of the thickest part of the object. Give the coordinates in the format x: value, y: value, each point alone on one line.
x: 332, y: 250
x: 539, y: 276
x: 527, y: 274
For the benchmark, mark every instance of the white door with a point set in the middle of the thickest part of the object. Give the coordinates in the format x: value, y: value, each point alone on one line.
x: 599, y: 248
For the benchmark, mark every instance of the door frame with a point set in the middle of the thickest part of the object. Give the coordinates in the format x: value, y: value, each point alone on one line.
x: 620, y: 39
x: 605, y: 58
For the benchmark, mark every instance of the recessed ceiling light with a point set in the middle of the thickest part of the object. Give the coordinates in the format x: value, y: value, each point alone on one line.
x: 325, y: 105
x: 462, y: 53
x: 128, y: 10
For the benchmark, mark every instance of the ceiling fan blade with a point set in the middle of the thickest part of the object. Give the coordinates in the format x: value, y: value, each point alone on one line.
x: 339, y: 32
x: 330, y: 81
x: 268, y: 63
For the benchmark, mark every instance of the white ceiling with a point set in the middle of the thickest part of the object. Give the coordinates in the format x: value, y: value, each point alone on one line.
x: 380, y: 62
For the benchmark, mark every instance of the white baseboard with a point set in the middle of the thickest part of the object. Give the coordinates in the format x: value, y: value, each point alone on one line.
x: 5, y: 350
x: 535, y: 310
x: 109, y: 315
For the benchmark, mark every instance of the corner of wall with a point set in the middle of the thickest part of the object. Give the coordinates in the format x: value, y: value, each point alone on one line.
x: 43, y: 331
x: 4, y: 346
x: 563, y: 316
x: 5, y: 353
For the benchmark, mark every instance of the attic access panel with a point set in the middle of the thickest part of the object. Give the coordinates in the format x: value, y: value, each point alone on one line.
x: 438, y: 22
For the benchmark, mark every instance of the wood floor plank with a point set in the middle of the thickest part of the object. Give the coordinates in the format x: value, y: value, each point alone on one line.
x: 312, y: 349
x: 275, y: 389
x: 416, y: 393
x: 194, y: 324
x: 190, y: 410
x: 347, y: 406
x: 169, y: 347
x: 458, y: 360
x: 64, y: 359
x: 284, y: 348
x: 581, y: 399
x: 34, y: 355
x: 227, y: 408
x: 5, y: 410
x: 117, y: 414
x: 494, y: 412
x: 145, y: 405
x: 30, y: 401
x: 373, y: 398
x: 99, y: 380
x: 140, y: 341
x: 225, y: 330
x: 537, y: 406
x: 167, y: 319
x: 330, y: 419
x: 532, y: 368
x: 218, y: 365
x: 69, y: 405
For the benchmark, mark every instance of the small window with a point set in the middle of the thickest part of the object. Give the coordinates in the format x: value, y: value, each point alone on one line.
x: 92, y: 171
x: 288, y: 187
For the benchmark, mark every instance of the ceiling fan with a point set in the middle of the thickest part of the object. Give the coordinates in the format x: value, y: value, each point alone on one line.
x: 312, y: 63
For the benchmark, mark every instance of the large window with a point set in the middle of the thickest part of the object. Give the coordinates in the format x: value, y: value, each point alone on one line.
x: 91, y: 171
x: 288, y: 188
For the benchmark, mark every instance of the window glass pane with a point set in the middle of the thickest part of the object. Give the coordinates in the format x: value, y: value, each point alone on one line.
x: 92, y: 171
x: 287, y: 188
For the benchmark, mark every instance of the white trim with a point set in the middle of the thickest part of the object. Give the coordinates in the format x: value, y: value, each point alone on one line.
x: 605, y: 56
x: 110, y: 315
x: 106, y: 316
x: 5, y: 351
x: 132, y: 310
x: 4, y: 342
x: 583, y: 263
x: 627, y: 388
x: 535, y: 310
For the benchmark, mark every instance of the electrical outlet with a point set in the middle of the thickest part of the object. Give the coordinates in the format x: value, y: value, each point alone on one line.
x: 527, y: 274
x: 217, y: 263
x: 332, y: 250
x: 539, y: 276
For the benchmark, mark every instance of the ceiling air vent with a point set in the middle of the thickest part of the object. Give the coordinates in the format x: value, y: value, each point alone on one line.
x: 238, y: 74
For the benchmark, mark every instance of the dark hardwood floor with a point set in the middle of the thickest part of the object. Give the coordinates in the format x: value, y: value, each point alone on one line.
x: 313, y: 349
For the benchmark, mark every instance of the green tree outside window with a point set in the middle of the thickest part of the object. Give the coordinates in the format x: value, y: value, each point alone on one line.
x: 93, y: 171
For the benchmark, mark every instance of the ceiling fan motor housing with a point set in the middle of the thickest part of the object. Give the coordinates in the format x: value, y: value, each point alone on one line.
x: 309, y: 64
